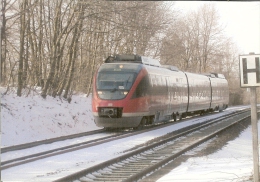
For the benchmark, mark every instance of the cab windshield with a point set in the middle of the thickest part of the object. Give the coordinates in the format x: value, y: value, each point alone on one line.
x: 114, y: 85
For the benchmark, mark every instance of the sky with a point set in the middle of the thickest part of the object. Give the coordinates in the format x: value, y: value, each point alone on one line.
x: 241, y: 19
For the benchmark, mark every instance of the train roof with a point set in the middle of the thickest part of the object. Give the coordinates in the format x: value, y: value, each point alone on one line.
x: 170, y: 67
x: 215, y: 75
x: 133, y: 59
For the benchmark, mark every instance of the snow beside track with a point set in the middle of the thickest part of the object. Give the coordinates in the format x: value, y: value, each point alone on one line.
x: 26, y: 119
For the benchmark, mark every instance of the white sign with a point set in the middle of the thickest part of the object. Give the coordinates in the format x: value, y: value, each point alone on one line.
x: 249, y: 70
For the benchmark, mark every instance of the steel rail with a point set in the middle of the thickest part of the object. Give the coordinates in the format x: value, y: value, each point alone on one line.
x: 48, y: 141
x: 61, y: 150
x: 144, y: 167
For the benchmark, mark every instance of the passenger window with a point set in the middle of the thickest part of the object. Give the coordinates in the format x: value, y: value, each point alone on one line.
x: 143, y: 88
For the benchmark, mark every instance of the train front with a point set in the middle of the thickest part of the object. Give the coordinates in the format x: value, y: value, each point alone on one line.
x: 113, y: 105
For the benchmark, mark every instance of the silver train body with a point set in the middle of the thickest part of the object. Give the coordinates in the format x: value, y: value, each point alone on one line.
x: 155, y: 93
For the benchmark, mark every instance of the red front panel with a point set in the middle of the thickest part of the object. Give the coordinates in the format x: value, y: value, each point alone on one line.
x: 128, y: 104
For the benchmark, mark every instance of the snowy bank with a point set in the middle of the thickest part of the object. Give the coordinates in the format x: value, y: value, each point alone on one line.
x: 31, y: 118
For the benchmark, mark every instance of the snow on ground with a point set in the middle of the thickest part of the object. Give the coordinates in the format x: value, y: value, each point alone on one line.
x: 30, y: 118
x: 59, y: 166
x: 234, y: 162
x: 25, y: 119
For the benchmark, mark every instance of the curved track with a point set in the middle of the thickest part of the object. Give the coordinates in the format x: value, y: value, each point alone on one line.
x: 47, y: 141
x: 136, y: 164
x: 52, y: 146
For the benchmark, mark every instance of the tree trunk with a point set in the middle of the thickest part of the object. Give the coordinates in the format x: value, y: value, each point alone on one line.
x: 3, y: 44
x: 21, y: 53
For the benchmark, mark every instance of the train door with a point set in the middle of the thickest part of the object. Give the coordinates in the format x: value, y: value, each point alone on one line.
x: 169, y: 95
x: 211, y: 91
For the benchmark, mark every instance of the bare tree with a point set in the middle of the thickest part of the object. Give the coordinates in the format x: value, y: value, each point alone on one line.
x: 58, y: 34
x: 23, y: 7
x: 197, y: 35
x: 7, y: 67
x: 58, y: 45
x: 73, y: 50
x: 3, y: 41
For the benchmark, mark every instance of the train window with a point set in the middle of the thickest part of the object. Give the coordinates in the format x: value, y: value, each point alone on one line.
x: 114, y: 85
x: 156, y: 81
x: 143, y: 88
x: 115, y: 80
x: 152, y: 82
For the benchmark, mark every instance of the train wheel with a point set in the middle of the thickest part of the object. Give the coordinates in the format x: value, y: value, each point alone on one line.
x: 107, y: 128
x: 142, y: 123
x: 180, y: 117
x: 184, y: 115
x: 150, y: 120
x: 220, y: 109
x: 174, y: 117
x: 201, y: 113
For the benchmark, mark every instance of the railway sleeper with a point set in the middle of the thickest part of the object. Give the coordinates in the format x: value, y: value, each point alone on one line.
x: 143, y: 162
x: 112, y: 179
x: 136, y: 165
x: 154, y: 155
x: 129, y: 171
x: 157, y: 158
x: 117, y: 174
x: 109, y: 180
x: 132, y: 167
x: 152, y: 161
x: 110, y: 175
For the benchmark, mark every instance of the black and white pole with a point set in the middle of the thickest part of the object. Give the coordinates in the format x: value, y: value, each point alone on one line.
x: 250, y: 77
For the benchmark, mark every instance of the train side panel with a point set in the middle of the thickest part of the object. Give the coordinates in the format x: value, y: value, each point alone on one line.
x: 199, y: 92
x: 178, y: 92
x: 220, y: 94
x: 169, y: 92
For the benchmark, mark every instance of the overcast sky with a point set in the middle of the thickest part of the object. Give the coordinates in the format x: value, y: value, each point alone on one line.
x: 242, y: 21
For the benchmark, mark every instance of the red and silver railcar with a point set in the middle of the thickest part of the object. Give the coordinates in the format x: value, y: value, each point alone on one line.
x: 132, y: 90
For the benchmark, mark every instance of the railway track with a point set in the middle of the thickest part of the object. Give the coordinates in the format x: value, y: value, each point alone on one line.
x: 33, y: 156
x: 48, y: 141
x: 20, y: 159
x: 138, y: 163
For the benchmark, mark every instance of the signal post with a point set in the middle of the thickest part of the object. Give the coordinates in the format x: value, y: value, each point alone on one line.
x: 250, y: 78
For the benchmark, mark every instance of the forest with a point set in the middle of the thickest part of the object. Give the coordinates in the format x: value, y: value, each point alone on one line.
x: 58, y: 45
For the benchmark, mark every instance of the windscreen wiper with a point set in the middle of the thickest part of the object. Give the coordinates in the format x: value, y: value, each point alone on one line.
x: 114, y: 89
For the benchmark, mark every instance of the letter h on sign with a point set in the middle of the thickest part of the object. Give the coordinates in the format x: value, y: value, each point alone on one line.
x: 250, y: 70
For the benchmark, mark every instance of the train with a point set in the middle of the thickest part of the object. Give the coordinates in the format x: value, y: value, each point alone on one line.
x: 130, y: 91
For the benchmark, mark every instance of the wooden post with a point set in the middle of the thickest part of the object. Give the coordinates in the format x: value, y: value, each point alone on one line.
x: 254, y: 133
